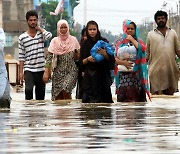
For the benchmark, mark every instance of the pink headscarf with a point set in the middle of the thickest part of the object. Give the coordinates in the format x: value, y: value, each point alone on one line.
x: 63, y: 43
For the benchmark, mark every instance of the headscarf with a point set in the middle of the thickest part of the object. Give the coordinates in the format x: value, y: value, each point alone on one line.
x: 140, y: 63
x: 63, y: 43
x: 98, y: 35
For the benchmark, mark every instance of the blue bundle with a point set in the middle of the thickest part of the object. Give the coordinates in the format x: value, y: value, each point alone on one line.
x: 104, y: 45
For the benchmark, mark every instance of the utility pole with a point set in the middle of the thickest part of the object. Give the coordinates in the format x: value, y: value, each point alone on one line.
x: 85, y: 12
x: 1, y: 15
x: 179, y: 8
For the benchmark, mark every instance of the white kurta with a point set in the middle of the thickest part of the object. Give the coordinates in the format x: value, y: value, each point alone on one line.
x: 161, y: 51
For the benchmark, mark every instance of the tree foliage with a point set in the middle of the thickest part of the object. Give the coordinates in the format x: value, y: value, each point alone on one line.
x: 51, y: 21
x: 74, y: 3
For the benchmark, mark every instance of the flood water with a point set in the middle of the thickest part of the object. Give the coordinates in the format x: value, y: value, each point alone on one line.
x: 72, y: 127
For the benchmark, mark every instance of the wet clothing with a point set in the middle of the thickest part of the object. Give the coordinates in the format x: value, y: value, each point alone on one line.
x: 34, y: 79
x: 31, y: 52
x: 97, y: 78
x: 132, y: 85
x: 64, y: 75
x: 5, y: 98
x: 130, y: 89
x: 79, y: 83
x: 163, y: 70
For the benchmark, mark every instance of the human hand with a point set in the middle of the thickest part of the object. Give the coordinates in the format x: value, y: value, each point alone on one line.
x: 102, y: 51
x: 21, y: 77
x: 46, y: 77
x: 76, y: 54
x: 127, y: 64
x: 129, y: 38
x: 38, y: 28
x: 91, y: 59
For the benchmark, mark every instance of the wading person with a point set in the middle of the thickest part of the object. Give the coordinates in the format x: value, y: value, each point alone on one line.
x: 31, y: 57
x: 162, y: 47
x: 80, y: 73
x: 63, y: 51
x: 97, y: 77
x: 5, y: 98
x: 131, y: 71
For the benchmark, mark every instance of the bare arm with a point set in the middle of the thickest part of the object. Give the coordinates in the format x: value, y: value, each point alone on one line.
x: 131, y: 39
x: 126, y: 63
x: 178, y: 53
x: 21, y: 71
x: 46, y: 35
x: 88, y: 59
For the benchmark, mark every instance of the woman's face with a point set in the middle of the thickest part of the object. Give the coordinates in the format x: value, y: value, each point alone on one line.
x: 131, y: 30
x: 92, y: 30
x: 63, y: 29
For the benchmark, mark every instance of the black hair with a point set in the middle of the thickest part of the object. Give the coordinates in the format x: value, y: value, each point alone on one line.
x: 160, y: 13
x: 83, y: 32
x: 31, y: 13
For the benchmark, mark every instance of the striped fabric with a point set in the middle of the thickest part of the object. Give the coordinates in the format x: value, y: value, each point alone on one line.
x: 31, y: 50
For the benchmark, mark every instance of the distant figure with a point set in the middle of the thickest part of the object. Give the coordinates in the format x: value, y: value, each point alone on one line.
x: 80, y: 73
x: 97, y: 77
x: 5, y: 98
x: 31, y: 57
x: 131, y: 71
x: 63, y: 51
x: 162, y: 48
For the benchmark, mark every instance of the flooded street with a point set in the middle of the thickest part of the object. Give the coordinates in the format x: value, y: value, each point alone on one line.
x: 72, y: 127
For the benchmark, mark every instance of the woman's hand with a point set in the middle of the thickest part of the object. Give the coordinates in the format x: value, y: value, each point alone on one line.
x: 127, y: 64
x: 103, y: 52
x: 46, y: 76
x: 132, y: 40
x: 91, y: 59
x: 76, y: 54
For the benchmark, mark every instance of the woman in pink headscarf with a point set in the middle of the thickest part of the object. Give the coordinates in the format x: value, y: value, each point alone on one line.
x: 62, y: 52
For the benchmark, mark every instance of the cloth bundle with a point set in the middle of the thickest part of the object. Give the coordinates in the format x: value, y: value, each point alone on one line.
x: 104, y: 45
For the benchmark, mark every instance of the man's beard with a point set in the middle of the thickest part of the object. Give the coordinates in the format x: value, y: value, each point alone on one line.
x: 32, y: 25
x: 161, y: 24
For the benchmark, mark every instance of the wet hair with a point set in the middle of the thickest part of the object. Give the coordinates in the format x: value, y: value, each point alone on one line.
x: 160, y: 13
x: 31, y: 13
x: 98, y: 35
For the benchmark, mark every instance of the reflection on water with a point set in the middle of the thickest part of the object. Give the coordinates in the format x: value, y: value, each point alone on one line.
x: 70, y: 126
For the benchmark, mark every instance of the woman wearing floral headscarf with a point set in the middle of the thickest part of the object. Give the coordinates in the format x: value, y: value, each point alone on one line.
x: 64, y: 49
x: 131, y: 71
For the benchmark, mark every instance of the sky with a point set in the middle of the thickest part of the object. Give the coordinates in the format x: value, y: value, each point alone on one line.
x: 109, y: 14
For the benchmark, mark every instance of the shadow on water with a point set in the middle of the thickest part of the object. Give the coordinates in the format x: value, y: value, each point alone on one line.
x: 70, y: 126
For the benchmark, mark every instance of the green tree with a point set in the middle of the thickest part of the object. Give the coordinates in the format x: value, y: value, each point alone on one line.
x: 108, y: 35
x: 51, y: 21
x: 74, y: 3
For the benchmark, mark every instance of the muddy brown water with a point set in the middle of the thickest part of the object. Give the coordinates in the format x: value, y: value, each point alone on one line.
x: 72, y: 127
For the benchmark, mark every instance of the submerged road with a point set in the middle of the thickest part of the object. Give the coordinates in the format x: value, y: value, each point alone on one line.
x: 72, y: 127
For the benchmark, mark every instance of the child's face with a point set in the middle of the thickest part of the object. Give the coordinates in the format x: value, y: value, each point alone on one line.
x: 92, y: 30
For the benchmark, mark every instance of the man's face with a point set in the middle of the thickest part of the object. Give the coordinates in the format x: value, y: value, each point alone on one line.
x: 161, y: 21
x: 32, y: 21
